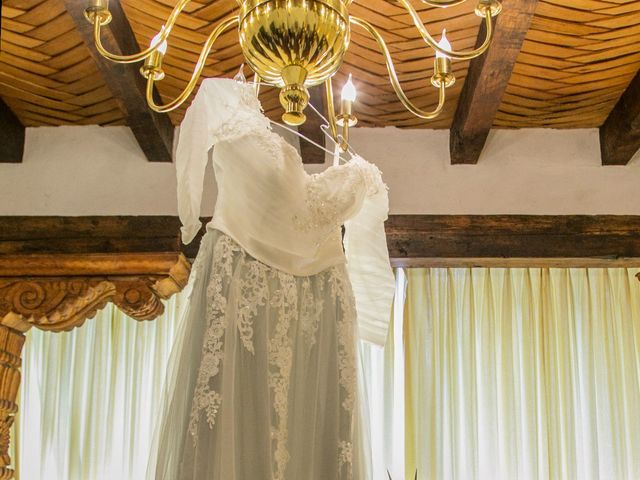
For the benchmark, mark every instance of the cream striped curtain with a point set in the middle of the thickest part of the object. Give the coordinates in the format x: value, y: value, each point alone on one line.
x: 510, y: 374
x: 499, y: 374
x: 89, y: 397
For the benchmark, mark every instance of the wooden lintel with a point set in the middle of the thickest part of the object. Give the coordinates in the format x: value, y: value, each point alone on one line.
x: 487, y: 80
x: 153, y: 131
x: 311, y: 128
x: 12, y: 134
x: 413, y: 240
x: 514, y: 240
x: 620, y: 133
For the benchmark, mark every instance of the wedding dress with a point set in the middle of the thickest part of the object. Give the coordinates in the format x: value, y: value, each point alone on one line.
x: 262, y: 383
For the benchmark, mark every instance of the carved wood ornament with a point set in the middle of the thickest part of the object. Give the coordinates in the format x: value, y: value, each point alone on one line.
x: 60, y: 292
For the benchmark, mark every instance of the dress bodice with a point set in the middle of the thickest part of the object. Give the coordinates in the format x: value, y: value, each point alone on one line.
x: 267, y: 202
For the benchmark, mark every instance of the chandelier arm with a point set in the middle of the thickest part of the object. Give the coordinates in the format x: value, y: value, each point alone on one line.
x: 468, y: 55
x: 331, y: 111
x: 137, y: 57
x: 206, y: 49
x: 393, y: 76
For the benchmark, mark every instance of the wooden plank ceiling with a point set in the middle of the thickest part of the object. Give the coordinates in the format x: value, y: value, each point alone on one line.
x: 577, y: 59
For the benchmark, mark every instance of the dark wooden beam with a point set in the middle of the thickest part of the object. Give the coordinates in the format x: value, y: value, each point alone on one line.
x: 87, y: 235
x: 311, y: 128
x: 11, y: 136
x: 620, y: 133
x: 486, y: 81
x: 413, y: 240
x: 153, y: 131
x: 514, y: 240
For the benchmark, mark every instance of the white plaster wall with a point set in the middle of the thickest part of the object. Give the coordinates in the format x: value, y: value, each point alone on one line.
x: 102, y: 171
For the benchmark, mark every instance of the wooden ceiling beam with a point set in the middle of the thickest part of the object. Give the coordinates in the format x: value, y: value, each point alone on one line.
x: 311, y: 128
x: 413, y: 240
x: 12, y: 134
x: 620, y: 133
x: 487, y: 80
x: 153, y: 131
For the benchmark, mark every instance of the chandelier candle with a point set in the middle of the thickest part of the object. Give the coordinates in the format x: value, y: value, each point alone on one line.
x: 153, y: 63
x: 442, y: 74
x: 296, y: 44
x: 346, y: 118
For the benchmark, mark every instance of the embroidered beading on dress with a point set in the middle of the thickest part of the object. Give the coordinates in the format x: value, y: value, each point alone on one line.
x: 310, y: 312
x: 245, y: 118
x: 253, y: 294
x: 341, y: 290
x: 345, y: 455
x: 205, y: 398
x: 371, y: 175
x: 327, y: 207
x: 284, y: 299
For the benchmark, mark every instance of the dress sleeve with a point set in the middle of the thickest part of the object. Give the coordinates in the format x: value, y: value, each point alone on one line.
x: 222, y: 110
x: 368, y: 262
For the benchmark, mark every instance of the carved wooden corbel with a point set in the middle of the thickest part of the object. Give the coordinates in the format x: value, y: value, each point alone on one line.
x: 60, y: 292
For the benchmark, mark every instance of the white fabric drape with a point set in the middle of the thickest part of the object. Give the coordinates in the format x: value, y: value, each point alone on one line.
x: 513, y: 374
x: 502, y: 374
x: 90, y: 397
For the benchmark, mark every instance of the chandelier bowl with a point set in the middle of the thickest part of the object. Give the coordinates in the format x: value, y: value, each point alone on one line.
x: 294, y: 44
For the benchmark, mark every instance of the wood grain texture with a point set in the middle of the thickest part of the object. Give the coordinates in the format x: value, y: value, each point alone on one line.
x: 87, y: 264
x: 11, y: 343
x: 620, y: 133
x: 311, y: 128
x: 577, y: 58
x: 427, y: 240
x: 86, y: 235
x: 47, y: 75
x: 11, y: 136
x: 487, y: 80
x: 599, y: 237
x: 153, y: 131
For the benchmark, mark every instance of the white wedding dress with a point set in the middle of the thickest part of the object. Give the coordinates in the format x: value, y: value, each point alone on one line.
x: 262, y: 383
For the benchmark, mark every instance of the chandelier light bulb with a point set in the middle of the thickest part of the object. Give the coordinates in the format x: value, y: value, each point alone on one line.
x: 162, y: 48
x: 443, y: 43
x: 349, y: 92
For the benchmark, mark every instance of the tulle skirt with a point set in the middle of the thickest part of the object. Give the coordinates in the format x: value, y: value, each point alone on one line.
x: 262, y: 384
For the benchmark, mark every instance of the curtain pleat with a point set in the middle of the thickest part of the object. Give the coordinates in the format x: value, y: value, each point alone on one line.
x: 514, y: 374
x: 487, y: 373
x: 89, y: 398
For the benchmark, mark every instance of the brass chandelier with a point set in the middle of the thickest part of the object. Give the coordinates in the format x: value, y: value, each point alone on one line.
x: 296, y: 44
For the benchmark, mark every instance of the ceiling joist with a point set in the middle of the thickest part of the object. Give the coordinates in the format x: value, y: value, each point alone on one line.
x: 487, y: 80
x: 11, y: 136
x: 153, y: 131
x: 620, y: 133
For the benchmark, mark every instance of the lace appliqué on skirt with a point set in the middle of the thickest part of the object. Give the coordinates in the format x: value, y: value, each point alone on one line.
x: 253, y: 294
x: 293, y: 300
x: 212, y: 349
